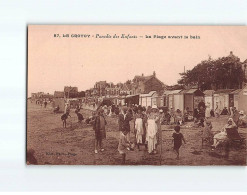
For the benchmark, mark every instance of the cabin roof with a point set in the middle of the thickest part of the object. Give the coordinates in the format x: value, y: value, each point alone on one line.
x: 226, y: 91
x: 170, y: 92
x: 151, y: 93
x: 208, y: 92
x: 236, y: 91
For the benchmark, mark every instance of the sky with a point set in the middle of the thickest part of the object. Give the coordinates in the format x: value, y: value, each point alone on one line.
x: 55, y: 62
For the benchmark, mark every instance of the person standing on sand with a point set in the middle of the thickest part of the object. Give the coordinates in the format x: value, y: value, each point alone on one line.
x: 177, y: 140
x: 64, y: 117
x: 152, y: 129
x: 45, y: 103
x: 138, y: 128
x: 207, y: 112
x: 123, y: 145
x: 100, y: 132
x: 124, y: 122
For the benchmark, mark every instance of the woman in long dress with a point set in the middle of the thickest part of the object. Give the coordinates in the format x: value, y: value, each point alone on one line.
x: 152, y: 129
x: 222, y: 136
x: 139, y: 127
x: 207, y: 113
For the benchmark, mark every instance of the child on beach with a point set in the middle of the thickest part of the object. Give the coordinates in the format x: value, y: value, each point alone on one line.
x: 80, y: 117
x: 123, y: 145
x: 177, y: 139
x: 139, y: 128
x: 64, y: 117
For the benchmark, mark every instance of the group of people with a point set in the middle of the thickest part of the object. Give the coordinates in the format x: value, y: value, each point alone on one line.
x: 147, y: 126
x: 147, y: 130
x: 237, y: 119
x: 41, y: 102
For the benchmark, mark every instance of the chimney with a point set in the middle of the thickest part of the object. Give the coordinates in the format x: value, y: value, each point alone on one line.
x: 154, y: 73
x: 231, y: 53
x: 142, y: 74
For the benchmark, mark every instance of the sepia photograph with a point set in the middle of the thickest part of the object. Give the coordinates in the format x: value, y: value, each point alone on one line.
x: 136, y: 95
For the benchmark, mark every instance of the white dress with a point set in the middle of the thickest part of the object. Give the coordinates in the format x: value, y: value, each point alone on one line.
x: 139, y: 130
x: 151, y: 135
x: 207, y: 113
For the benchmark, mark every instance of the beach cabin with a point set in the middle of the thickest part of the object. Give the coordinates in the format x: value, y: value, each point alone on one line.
x: 235, y: 94
x: 132, y: 99
x: 188, y: 98
x: 158, y: 101
x: 240, y: 99
x: 146, y: 99
x: 168, y: 98
x: 209, y: 98
x: 222, y: 98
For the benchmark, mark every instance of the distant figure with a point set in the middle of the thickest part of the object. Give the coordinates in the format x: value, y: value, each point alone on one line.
x: 168, y: 118
x: 201, y: 105
x: 224, y: 111
x: 208, y: 110
x: 196, y: 114
x: 212, y: 113
x: 113, y: 108
x: 90, y: 119
x: 177, y: 140
x: 186, y: 114
x: 45, y: 104
x: 116, y: 110
x: 207, y: 131
x: 242, y: 119
x: 80, y: 117
x: 56, y: 109
x: 77, y: 109
x: 64, y: 117
x: 217, y: 110
x: 100, y: 132
x: 235, y: 115
x: 178, y: 117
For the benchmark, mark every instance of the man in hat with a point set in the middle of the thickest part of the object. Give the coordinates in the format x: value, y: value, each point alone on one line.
x: 124, y: 122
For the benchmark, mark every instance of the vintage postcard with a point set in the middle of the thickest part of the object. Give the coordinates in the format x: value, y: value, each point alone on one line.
x: 136, y: 95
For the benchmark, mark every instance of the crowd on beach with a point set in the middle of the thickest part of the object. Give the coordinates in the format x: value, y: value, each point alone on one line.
x: 148, y: 122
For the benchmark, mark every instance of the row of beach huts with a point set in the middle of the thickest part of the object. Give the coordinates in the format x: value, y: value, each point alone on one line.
x: 180, y: 99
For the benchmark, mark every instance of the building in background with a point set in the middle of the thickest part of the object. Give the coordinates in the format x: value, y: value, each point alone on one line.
x: 70, y: 92
x: 144, y: 84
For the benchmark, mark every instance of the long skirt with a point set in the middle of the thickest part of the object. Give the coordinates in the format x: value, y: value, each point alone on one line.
x: 151, y: 143
x: 151, y: 135
x: 139, y: 130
